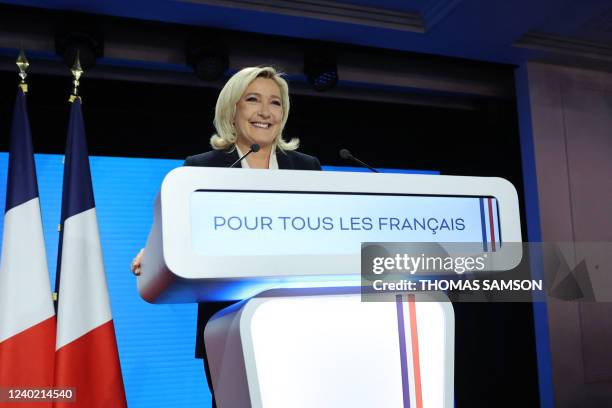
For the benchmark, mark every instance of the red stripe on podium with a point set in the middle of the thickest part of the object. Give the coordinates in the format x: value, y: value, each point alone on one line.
x: 414, y: 335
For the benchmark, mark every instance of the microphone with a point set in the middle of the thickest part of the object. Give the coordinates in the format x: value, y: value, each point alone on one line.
x: 346, y: 155
x: 254, y: 149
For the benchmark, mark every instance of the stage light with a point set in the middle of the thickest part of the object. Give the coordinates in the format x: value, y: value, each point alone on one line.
x: 209, y: 62
x: 90, y: 46
x: 321, y: 70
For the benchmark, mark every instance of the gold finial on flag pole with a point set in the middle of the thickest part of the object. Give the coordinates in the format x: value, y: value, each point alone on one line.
x: 23, y: 64
x: 77, y: 72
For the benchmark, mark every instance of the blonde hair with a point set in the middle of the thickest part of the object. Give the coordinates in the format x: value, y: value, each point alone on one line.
x: 230, y: 95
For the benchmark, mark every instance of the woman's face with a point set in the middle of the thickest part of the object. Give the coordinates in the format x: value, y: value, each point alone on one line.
x: 259, y: 113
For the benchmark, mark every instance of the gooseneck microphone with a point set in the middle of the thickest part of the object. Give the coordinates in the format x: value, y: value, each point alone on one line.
x: 254, y: 149
x: 345, y: 154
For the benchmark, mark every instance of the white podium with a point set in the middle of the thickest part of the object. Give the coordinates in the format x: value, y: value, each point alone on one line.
x: 329, y: 349
x: 287, y: 244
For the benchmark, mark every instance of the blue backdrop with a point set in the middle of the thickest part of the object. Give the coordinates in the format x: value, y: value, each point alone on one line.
x: 156, y: 342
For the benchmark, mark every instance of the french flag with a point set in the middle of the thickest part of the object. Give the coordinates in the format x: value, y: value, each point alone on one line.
x: 87, y: 357
x: 27, y: 317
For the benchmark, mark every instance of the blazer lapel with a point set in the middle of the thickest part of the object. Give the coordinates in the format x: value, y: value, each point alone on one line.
x: 226, y: 158
x: 283, y: 160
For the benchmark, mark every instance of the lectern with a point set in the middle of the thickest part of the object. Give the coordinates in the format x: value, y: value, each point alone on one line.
x: 286, y: 244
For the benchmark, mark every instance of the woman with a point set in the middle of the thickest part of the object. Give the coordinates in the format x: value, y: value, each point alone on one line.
x: 252, y: 108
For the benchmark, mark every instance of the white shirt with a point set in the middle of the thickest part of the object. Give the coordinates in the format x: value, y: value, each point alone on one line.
x: 273, y: 162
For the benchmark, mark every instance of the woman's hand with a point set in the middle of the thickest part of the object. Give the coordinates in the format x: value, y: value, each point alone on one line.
x: 135, y: 266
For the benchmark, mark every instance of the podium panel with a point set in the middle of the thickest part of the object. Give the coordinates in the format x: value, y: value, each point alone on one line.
x: 228, y: 234
x: 329, y: 349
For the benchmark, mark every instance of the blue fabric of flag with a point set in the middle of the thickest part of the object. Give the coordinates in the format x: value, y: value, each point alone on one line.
x: 21, y: 183
x: 77, y: 192
x: 77, y: 188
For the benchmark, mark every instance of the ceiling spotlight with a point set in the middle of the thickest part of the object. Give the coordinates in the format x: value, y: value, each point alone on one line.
x: 209, y: 62
x: 321, y: 70
x: 89, y: 46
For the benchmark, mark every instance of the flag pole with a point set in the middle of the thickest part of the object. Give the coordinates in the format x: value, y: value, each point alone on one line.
x: 77, y: 73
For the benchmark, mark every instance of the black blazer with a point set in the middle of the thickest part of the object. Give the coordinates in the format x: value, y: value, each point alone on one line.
x: 287, y: 160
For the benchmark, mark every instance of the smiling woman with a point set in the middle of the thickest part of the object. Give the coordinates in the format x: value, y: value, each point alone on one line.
x: 252, y: 107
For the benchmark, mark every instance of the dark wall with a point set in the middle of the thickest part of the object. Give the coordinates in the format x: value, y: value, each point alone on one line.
x: 495, y: 347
